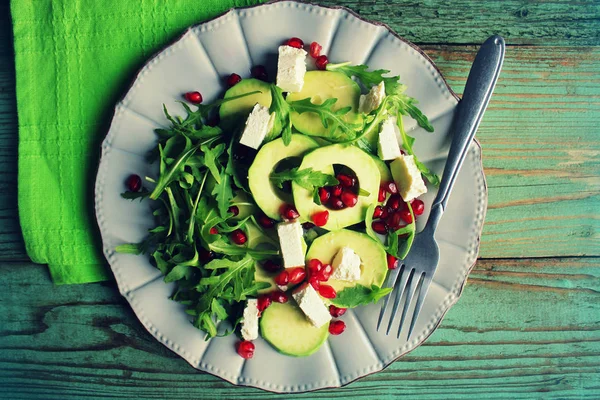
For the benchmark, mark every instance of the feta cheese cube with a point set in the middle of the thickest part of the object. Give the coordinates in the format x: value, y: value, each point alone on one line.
x: 290, y: 241
x: 388, y: 147
x: 291, y: 67
x: 372, y: 100
x: 258, y: 125
x: 408, y: 178
x: 311, y: 304
x: 250, y: 321
x: 346, y: 265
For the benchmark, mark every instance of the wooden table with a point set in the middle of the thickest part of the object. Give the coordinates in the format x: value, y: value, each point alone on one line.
x: 528, y: 323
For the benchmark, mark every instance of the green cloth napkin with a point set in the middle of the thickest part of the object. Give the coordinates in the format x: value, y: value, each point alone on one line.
x: 74, y: 59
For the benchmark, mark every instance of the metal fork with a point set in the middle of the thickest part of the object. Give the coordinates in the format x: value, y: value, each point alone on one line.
x: 416, y: 272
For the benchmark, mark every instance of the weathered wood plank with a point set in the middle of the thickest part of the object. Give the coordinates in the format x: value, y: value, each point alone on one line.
x: 526, y: 329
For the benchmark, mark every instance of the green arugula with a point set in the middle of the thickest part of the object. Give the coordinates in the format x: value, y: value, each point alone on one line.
x: 283, y: 123
x: 331, y: 119
x: 307, y: 178
x: 407, y: 143
x: 359, y: 295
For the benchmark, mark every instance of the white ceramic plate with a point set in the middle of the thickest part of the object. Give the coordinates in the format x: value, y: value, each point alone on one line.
x: 200, y: 59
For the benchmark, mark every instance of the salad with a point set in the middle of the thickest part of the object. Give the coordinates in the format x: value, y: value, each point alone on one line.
x: 283, y: 204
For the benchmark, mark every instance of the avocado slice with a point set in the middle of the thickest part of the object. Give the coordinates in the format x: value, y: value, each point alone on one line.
x: 384, y: 171
x: 323, y: 160
x: 232, y: 112
x: 372, y: 255
x: 320, y: 86
x: 286, y: 328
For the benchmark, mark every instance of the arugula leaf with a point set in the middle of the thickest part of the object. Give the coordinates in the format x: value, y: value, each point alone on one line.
x: 168, y: 176
x: 367, y: 78
x: 223, y: 194
x: 363, y: 192
x: 407, y: 143
x: 330, y: 119
x: 283, y: 123
x: 359, y: 295
x: 316, y: 197
x: 307, y: 178
x: 177, y: 273
x: 211, y: 157
x: 135, y: 195
x: 129, y: 248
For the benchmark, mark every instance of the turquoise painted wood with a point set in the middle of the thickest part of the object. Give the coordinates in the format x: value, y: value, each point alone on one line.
x: 528, y: 323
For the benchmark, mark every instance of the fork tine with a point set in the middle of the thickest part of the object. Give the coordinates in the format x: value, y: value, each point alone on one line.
x: 390, y: 282
x: 424, y: 288
x: 406, y: 276
x: 412, y: 287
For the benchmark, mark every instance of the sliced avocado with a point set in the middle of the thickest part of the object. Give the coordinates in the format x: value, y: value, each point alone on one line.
x: 320, y: 86
x: 287, y: 329
x: 244, y: 204
x: 322, y: 160
x: 260, y: 239
x: 384, y: 171
x: 268, y: 197
x: 372, y: 256
x: 231, y: 112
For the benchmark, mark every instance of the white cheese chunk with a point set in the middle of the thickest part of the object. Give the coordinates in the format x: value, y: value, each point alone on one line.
x: 250, y: 321
x: 291, y: 67
x: 408, y: 178
x: 346, y: 265
x: 311, y: 304
x: 258, y: 124
x: 372, y: 100
x: 388, y: 147
x: 290, y: 241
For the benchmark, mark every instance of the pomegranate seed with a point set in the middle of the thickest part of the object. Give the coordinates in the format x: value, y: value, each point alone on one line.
x: 238, y: 237
x: 394, y: 202
x: 379, y: 227
x: 206, y: 256
x: 263, y: 302
x: 418, y: 206
x: 349, y: 199
x: 314, y: 282
x: 336, y: 203
x: 392, y: 262
x: 336, y: 190
x: 405, y: 215
x: 283, y: 278
x: 390, y: 187
x: 259, y: 72
x: 337, y: 327
x: 327, y: 291
x: 296, y: 275
x: 271, y: 266
x: 324, y: 195
x: 320, y: 218
x: 346, y: 181
x: 265, y: 221
x: 393, y: 221
x: 381, y: 196
x: 245, y: 349
x: 324, y: 274
x: 295, y: 42
x: 279, y: 297
x: 321, y: 62
x: 315, y: 49
x: 233, y: 80
x: 378, y: 212
x: 386, y: 212
x: 234, y: 210
x: 288, y: 211
x: 193, y: 97
x: 336, y: 312
x: 133, y: 183
x: 314, y: 266
x: 213, y: 230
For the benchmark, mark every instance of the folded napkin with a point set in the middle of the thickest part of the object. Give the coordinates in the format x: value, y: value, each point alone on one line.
x: 73, y: 60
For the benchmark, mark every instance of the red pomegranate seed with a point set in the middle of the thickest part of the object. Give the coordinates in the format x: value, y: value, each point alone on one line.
x: 288, y: 211
x: 308, y: 225
x: 234, y: 210
x: 381, y: 196
x: 213, y: 230
x: 386, y: 212
x: 336, y: 190
x: 390, y: 187
x: 314, y: 266
x: 393, y: 221
x: 238, y: 237
x: 392, y: 262
x: 336, y: 312
x: 283, y: 278
x: 327, y: 291
x: 314, y: 282
x: 324, y: 195
x: 296, y: 275
x: 337, y: 327
x: 379, y: 227
x: 405, y: 215
x: 263, y: 302
x: 206, y: 256
x: 378, y: 212
x: 346, y: 181
x: 245, y: 349
x: 394, y: 202
x: 349, y: 199
x: 279, y: 297
x: 193, y: 97
x: 133, y: 183
x: 315, y: 49
x: 265, y: 221
x: 321, y: 62
x: 259, y: 72
x: 271, y: 266
x: 233, y: 80
x: 336, y: 203
x: 418, y: 206
x: 324, y: 274
x: 295, y: 42
x: 320, y: 218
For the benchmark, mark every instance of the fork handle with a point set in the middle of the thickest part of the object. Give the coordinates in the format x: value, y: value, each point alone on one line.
x: 476, y: 96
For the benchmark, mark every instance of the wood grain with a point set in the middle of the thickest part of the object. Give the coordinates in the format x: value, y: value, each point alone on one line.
x: 522, y: 328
